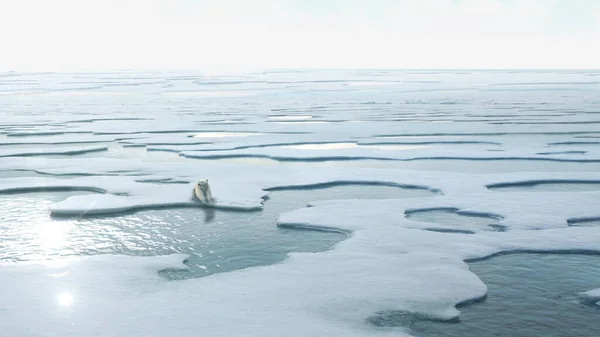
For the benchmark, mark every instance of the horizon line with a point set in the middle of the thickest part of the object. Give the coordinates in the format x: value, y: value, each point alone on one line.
x: 260, y: 69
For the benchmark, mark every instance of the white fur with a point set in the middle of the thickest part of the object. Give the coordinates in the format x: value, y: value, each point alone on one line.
x: 202, y: 191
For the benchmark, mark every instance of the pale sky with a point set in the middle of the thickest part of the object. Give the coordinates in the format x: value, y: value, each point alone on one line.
x: 56, y: 35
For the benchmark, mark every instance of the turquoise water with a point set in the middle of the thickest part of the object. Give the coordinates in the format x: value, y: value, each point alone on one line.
x: 528, y: 295
x: 229, y: 241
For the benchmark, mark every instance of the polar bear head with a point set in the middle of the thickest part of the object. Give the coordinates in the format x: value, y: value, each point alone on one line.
x: 203, y: 184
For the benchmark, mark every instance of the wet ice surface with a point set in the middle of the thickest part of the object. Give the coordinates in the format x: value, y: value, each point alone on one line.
x: 528, y: 295
x: 496, y: 162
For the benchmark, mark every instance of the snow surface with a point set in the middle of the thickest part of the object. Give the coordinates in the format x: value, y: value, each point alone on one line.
x: 388, y: 262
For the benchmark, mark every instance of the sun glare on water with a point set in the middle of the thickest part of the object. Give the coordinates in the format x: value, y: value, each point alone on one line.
x: 65, y: 299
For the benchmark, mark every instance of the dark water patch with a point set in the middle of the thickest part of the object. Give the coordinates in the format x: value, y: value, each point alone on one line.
x: 528, y: 295
x: 307, y: 227
x: 575, y: 143
x: 498, y: 228
x: 562, y: 152
x: 584, y: 222
x: 162, y: 181
x: 449, y: 230
x: 566, y: 185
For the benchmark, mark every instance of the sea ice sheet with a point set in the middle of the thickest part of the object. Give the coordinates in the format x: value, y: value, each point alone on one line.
x: 389, y: 262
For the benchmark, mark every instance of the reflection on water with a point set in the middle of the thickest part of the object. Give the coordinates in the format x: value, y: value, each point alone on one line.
x: 65, y: 299
x: 528, y: 295
x: 232, y: 240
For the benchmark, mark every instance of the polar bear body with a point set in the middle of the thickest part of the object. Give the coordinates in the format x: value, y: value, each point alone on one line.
x: 202, y: 192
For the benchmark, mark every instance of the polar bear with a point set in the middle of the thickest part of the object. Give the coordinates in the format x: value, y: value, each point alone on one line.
x: 202, y: 192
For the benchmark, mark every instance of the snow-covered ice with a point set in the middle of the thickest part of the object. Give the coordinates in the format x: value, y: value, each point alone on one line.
x: 389, y: 262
